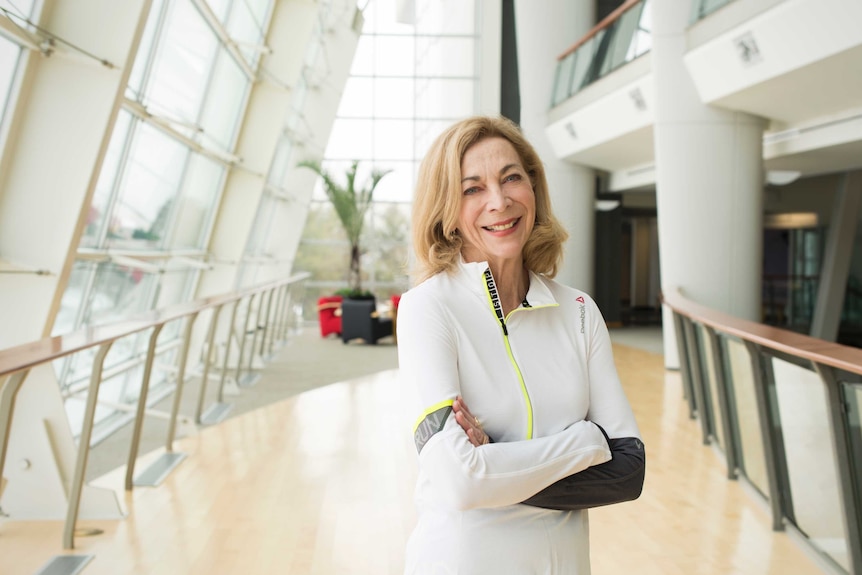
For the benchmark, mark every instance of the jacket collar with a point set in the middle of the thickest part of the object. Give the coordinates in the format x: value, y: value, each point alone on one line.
x: 472, y: 276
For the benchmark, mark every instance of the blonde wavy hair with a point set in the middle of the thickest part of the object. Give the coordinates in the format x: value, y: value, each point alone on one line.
x: 437, y: 202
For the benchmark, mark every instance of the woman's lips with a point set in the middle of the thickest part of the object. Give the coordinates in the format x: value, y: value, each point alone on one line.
x: 503, y: 226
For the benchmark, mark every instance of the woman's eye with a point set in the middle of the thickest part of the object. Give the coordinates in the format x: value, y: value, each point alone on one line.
x: 512, y: 178
x: 470, y: 191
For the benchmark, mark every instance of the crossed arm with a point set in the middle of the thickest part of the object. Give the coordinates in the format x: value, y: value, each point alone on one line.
x: 615, y: 481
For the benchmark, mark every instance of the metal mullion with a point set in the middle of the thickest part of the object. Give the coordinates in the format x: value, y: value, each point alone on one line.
x: 731, y: 441
x: 839, y: 424
x: 684, y: 365
x: 104, y: 254
x: 158, y: 36
x: 79, y: 320
x: 761, y: 392
x: 224, y: 38
x: 164, y: 126
x: 19, y: 35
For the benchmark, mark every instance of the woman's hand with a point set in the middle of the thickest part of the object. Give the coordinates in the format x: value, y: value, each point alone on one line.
x: 469, y: 423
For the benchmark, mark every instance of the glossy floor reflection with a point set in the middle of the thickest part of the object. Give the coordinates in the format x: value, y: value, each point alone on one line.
x: 322, y: 483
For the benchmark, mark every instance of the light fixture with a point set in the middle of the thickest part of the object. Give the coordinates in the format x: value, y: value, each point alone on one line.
x: 782, y: 177
x: 607, y: 205
x: 790, y: 221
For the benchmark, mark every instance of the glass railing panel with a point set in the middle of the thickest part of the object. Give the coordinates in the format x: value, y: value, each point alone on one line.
x: 744, y: 398
x: 563, y: 78
x: 804, y: 415
x: 619, y: 42
x: 620, y: 36
x: 702, y: 8
x: 711, y: 385
x: 584, y: 63
x: 853, y: 396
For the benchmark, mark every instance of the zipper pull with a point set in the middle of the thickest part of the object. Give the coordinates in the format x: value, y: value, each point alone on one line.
x: 503, y: 323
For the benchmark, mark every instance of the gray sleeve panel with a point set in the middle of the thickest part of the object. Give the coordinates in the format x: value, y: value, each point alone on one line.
x: 432, y: 424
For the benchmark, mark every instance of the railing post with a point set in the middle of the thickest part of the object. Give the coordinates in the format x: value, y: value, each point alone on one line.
x: 230, y: 334
x: 730, y: 439
x: 207, y: 362
x: 285, y: 312
x: 697, y: 380
x: 242, y: 340
x: 265, y: 328
x: 276, y: 326
x: 776, y: 493
x: 684, y: 365
x: 851, y: 507
x: 255, y: 330
x: 84, y: 446
x: 142, y: 406
x: 8, y: 391
x: 181, y: 377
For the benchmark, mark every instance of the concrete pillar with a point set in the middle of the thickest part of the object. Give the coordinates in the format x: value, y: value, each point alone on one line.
x: 708, y: 186
x: 836, y: 257
x: 545, y: 29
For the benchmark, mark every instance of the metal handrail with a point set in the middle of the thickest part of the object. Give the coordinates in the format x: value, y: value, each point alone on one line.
x: 16, y: 363
x: 838, y: 368
x: 806, y: 347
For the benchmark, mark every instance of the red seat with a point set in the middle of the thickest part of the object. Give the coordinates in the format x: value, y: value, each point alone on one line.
x: 329, y: 315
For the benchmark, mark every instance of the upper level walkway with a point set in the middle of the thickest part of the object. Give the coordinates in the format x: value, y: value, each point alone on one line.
x: 322, y: 483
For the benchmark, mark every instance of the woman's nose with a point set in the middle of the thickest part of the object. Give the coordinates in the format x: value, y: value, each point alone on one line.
x: 498, y: 199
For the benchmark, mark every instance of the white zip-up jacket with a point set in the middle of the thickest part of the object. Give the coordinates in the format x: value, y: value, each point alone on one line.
x: 537, y: 380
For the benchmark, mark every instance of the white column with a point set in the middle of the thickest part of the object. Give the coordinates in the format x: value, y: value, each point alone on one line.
x: 708, y: 186
x: 837, y: 257
x: 64, y: 115
x: 545, y: 29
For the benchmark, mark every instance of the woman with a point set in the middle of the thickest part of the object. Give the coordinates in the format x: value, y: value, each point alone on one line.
x: 488, y: 328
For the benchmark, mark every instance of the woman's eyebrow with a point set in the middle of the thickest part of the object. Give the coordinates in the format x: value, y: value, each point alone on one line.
x: 503, y: 170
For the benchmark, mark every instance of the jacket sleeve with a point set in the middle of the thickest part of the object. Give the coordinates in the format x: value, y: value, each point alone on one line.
x: 615, y: 481
x: 622, y: 478
x: 454, y: 473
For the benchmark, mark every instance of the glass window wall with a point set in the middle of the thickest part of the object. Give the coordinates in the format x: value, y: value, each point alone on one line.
x: 17, y: 13
x: 154, y: 205
x: 407, y: 83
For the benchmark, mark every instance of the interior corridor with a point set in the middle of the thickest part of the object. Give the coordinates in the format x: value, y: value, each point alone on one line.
x: 322, y: 483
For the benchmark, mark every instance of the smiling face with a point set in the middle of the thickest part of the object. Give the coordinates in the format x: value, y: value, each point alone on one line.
x: 498, y: 207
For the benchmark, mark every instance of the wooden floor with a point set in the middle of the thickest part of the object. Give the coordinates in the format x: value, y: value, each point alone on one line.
x: 322, y: 484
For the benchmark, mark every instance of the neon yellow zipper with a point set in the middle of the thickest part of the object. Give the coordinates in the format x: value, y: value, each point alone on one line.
x: 497, y: 308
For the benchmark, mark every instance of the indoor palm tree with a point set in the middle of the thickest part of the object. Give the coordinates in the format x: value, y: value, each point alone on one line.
x: 350, y: 204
